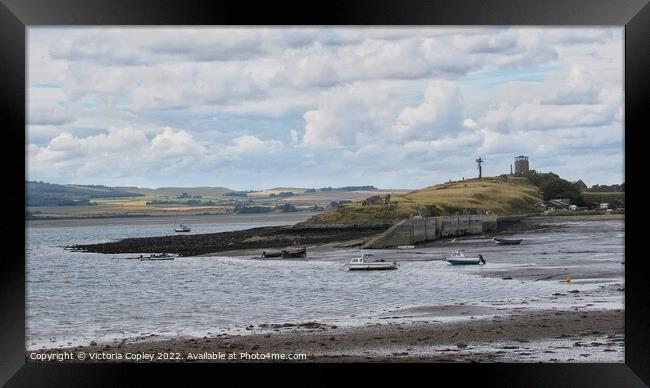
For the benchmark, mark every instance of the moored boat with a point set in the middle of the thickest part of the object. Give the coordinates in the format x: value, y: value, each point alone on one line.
x: 405, y: 246
x: 367, y: 263
x: 183, y: 228
x: 458, y: 258
x: 270, y: 254
x: 507, y: 241
x: 294, y: 251
x: 158, y: 256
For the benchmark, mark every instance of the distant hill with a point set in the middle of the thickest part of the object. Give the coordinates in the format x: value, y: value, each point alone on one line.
x: 49, y: 194
x: 176, y: 191
x: 517, y: 195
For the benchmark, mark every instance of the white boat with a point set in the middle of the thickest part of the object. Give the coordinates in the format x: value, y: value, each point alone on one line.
x: 405, y: 246
x: 367, y: 262
x: 157, y: 256
x: 183, y: 228
x: 458, y: 258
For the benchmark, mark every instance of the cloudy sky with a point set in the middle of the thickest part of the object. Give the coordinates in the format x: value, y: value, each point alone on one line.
x: 255, y: 108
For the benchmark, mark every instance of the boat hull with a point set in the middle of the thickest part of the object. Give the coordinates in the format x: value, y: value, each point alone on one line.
x: 372, y: 267
x: 507, y: 242
x: 271, y: 254
x: 294, y: 254
x: 465, y: 261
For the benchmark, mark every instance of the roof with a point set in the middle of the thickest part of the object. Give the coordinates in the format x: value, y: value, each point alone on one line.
x: 556, y: 203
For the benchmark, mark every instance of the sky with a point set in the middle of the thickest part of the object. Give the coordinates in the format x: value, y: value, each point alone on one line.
x: 257, y: 108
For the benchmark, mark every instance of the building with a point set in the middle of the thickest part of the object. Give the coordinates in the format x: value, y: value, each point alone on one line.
x: 521, y: 164
x: 557, y: 204
x: 376, y: 200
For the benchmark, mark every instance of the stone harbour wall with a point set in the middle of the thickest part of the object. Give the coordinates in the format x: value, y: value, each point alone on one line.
x: 421, y: 229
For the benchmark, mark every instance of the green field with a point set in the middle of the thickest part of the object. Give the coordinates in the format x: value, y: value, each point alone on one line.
x: 516, y: 196
x: 173, y: 192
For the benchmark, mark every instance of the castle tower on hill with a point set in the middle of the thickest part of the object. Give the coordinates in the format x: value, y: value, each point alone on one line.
x: 521, y: 164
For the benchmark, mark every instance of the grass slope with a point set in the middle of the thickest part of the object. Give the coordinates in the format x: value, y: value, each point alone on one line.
x: 516, y: 196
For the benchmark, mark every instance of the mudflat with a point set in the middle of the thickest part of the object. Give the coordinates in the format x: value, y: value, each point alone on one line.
x: 548, y: 336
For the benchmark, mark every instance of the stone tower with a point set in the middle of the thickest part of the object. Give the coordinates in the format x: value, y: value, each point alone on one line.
x: 521, y: 164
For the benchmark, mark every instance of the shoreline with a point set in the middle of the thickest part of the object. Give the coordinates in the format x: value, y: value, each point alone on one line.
x: 305, y: 232
x: 481, y: 338
x: 578, y: 217
x: 168, y: 219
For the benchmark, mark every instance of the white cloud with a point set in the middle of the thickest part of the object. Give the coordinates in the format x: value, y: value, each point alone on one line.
x: 439, y: 114
x: 345, y: 117
x: 251, y: 145
x: 294, y: 137
x: 580, y: 87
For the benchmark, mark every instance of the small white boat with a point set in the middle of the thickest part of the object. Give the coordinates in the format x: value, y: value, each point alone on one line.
x: 458, y: 258
x: 183, y: 228
x: 405, y: 246
x: 157, y: 256
x: 367, y: 262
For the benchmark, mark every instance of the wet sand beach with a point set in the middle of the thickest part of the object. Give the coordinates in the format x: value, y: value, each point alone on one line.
x: 548, y: 336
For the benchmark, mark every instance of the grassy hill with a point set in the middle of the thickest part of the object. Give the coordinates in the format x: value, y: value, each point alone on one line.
x: 518, y: 195
x: 48, y: 194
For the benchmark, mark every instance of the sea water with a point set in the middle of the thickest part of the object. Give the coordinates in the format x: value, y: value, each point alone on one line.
x: 74, y: 297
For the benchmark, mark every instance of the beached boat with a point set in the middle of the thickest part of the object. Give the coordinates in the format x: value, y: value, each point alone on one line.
x: 294, y: 251
x: 458, y: 258
x: 271, y: 254
x: 367, y: 263
x: 183, y: 228
x: 507, y: 241
x: 405, y: 246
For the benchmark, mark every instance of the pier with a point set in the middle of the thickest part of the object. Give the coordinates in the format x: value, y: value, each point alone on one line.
x: 422, y: 229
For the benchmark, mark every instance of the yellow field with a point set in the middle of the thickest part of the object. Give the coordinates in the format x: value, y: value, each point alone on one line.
x: 515, y: 196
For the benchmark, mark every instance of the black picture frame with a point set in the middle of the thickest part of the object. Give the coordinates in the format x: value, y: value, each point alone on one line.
x: 17, y: 15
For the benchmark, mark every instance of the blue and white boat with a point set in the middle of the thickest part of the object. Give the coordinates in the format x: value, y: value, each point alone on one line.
x: 458, y: 258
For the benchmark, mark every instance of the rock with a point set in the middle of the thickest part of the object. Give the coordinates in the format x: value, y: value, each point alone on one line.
x: 461, y: 345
